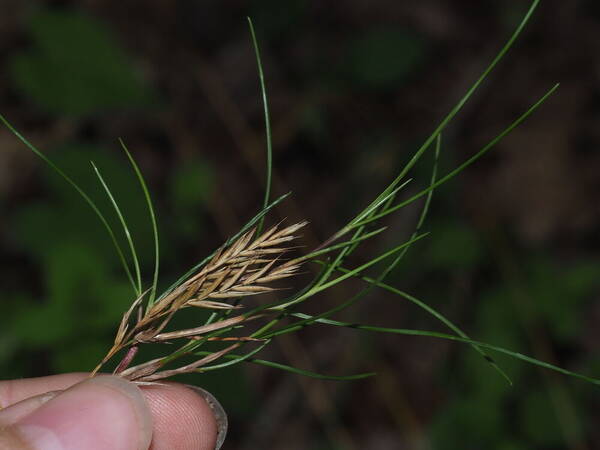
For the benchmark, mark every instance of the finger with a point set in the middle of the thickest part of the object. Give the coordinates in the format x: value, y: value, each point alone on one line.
x: 182, y: 418
x: 21, y: 409
x: 99, y: 413
x: 14, y: 391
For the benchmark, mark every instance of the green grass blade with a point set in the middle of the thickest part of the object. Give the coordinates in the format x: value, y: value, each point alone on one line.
x: 343, y: 245
x: 375, y: 282
x: 378, y: 282
x: 433, y: 334
x: 380, y: 201
x: 300, y: 293
x: 295, y: 370
x: 309, y: 289
x: 134, y: 256
x: 336, y: 264
x: 356, y: 239
x: 434, y: 171
x: 324, y: 286
x: 317, y: 287
x: 369, y: 264
x: 317, y: 280
x: 439, y: 316
x: 456, y: 109
x: 422, y: 216
x: 263, y: 90
x: 464, y: 165
x: 359, y: 232
x: 235, y: 359
x: 310, y: 374
x: 83, y: 195
x: 144, y: 187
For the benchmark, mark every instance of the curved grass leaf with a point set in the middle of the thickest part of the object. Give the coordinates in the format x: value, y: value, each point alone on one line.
x: 295, y: 370
x: 357, y: 234
x: 263, y: 91
x: 236, y: 359
x: 464, y: 165
x: 450, y: 337
x: 421, y: 305
x: 324, y: 286
x: 144, y: 187
x: 134, y: 256
x: 379, y: 282
x: 446, y: 120
x: 83, y: 195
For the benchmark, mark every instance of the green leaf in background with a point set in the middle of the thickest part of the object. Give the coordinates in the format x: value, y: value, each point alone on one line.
x: 82, y: 297
x: 467, y: 422
x: 82, y: 354
x: 42, y: 325
x: 76, y: 67
x: 557, y: 294
x: 453, y: 246
x: 85, y: 293
x: 67, y: 215
x: 192, y: 185
x: 477, y: 376
x: 537, y: 419
x: 383, y: 57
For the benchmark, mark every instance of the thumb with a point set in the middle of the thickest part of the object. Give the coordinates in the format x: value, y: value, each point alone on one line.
x: 99, y: 413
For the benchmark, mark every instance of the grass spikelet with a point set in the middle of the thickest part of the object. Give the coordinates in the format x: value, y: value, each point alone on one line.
x: 244, y: 268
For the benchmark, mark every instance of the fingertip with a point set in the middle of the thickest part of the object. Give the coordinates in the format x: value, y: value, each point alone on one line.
x: 218, y: 412
x: 182, y: 418
x: 101, y: 412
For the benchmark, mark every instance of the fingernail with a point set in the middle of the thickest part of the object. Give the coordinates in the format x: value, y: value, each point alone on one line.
x: 102, y: 412
x: 218, y: 411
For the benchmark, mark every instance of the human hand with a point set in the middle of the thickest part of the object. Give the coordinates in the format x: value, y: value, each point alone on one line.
x: 74, y: 412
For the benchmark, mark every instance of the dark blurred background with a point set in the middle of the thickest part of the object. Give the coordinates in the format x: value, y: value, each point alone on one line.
x: 354, y: 88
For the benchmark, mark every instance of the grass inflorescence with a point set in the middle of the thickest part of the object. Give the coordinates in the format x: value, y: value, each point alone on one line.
x: 247, y: 267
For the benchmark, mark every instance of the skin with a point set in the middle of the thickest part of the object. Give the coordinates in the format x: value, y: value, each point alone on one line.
x: 73, y: 411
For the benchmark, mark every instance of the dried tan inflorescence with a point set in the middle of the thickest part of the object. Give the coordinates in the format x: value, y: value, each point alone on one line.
x: 244, y: 268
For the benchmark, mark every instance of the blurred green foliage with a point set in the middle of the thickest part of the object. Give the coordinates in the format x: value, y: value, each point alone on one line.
x: 84, y: 291
x: 76, y: 67
x: 191, y: 186
x: 383, y: 57
x: 454, y: 246
x: 483, y: 407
